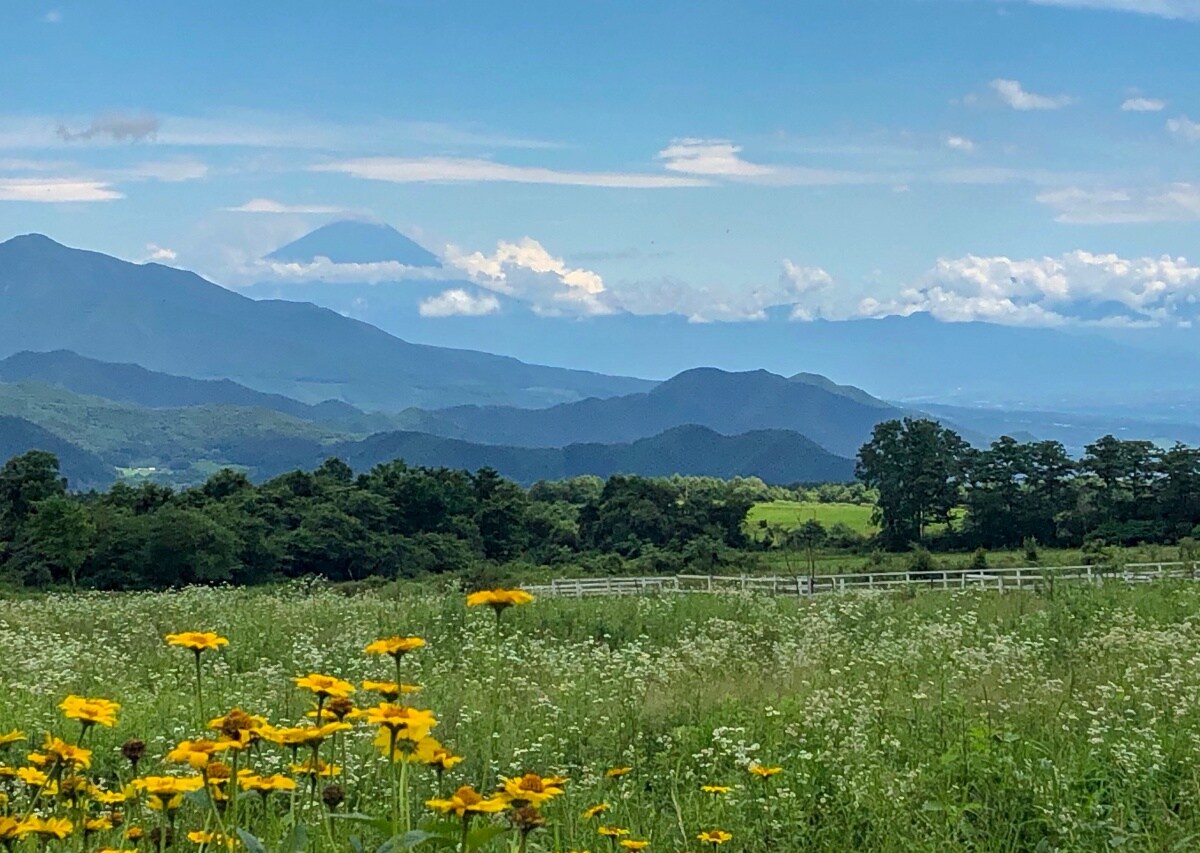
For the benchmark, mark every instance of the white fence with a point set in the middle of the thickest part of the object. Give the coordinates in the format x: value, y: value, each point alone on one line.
x: 1026, y: 577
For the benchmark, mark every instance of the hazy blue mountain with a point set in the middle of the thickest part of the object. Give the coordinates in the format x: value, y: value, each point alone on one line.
x: 836, y: 418
x: 912, y: 358
x: 130, y: 383
x: 777, y: 456
x: 351, y: 242
x: 174, y: 321
x: 83, y: 470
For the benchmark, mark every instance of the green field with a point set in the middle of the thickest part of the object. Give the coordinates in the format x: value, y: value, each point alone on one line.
x: 790, y: 514
x: 940, y: 722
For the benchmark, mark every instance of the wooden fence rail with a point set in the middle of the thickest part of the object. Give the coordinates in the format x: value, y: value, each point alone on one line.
x: 1025, y: 577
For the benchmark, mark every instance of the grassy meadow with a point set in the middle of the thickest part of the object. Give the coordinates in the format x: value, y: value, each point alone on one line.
x: 790, y: 514
x: 940, y: 721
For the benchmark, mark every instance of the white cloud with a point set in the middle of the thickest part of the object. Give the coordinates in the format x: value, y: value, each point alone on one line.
x: 1179, y: 9
x: 267, y: 205
x: 1075, y: 288
x: 802, y: 289
x: 56, y: 190
x: 1105, y: 206
x: 457, y: 302
x: 450, y: 170
x: 718, y: 157
x: 1143, y: 105
x: 1184, y: 128
x: 959, y: 143
x: 159, y: 254
x: 527, y: 271
x: 323, y: 269
x: 1015, y: 95
x: 52, y: 17
x: 119, y: 127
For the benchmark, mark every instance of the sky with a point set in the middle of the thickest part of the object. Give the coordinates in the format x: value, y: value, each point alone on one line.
x: 1029, y: 162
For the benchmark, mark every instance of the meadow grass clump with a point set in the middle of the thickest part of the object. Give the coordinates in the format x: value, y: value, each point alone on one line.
x: 946, y: 721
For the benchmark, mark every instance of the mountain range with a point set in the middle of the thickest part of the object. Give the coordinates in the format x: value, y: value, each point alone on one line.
x: 175, y: 321
x: 145, y: 370
x: 914, y: 358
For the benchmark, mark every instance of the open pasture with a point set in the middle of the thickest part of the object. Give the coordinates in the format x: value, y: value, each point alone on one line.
x: 941, y: 721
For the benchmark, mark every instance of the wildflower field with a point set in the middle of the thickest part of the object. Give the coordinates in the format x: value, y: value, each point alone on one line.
x: 941, y: 721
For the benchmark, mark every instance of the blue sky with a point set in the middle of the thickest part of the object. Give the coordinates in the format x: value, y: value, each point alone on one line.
x: 1024, y: 162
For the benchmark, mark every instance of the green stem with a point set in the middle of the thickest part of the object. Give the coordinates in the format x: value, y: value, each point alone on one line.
x: 199, y: 690
x: 395, y: 792
x: 462, y: 845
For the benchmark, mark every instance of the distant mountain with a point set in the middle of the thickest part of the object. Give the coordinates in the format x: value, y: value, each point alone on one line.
x: 184, y: 444
x: 913, y: 358
x: 130, y: 383
x: 837, y: 418
x: 777, y: 456
x: 173, y: 321
x: 83, y: 470
x: 351, y: 242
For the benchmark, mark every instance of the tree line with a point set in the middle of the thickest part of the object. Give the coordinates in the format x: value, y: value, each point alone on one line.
x: 393, y: 521
x: 932, y: 484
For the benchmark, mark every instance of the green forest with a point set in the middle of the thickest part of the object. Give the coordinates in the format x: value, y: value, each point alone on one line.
x: 927, y: 487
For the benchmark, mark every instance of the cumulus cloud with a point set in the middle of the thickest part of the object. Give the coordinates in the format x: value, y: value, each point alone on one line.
x: 1179, y: 9
x: 267, y: 205
x: 1184, y: 128
x: 959, y: 143
x: 1178, y: 202
x: 1143, y: 105
x: 1015, y: 95
x: 159, y: 254
x: 718, y: 157
x: 56, y: 190
x: 804, y: 290
x: 1075, y: 288
x: 527, y: 271
x: 403, y: 170
x: 119, y: 127
x: 460, y: 303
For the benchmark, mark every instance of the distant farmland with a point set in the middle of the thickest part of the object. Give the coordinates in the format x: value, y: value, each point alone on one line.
x: 790, y: 514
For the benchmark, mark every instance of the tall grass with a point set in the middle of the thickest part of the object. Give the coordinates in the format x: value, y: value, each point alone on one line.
x: 940, y: 721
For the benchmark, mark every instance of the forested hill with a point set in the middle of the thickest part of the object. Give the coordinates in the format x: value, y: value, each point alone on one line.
x: 837, y: 418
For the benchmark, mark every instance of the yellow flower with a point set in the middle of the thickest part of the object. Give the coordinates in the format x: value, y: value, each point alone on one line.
x: 322, y: 769
x: 394, y: 646
x: 197, y: 641
x: 612, y: 831
x: 402, y: 721
x: 117, y: 850
x: 530, y: 788
x: 715, y: 789
x: 617, y: 772
x: 630, y: 844
x: 31, y: 776
x: 97, y: 824
x: 38, y: 758
x: 12, y: 737
x: 238, y: 726
x: 107, y: 798
x: 266, y: 784
x: 714, y: 836
x: 134, y: 833
x: 204, y: 838
x: 467, y: 801
x: 197, y: 753
x: 390, y: 689
x: 325, y: 685
x: 432, y: 753
x: 499, y: 599
x: 764, y: 772
x: 167, y: 790
x: 90, y: 711
x: 53, y: 827
x: 598, y: 809
x: 68, y: 754
x: 9, y: 827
